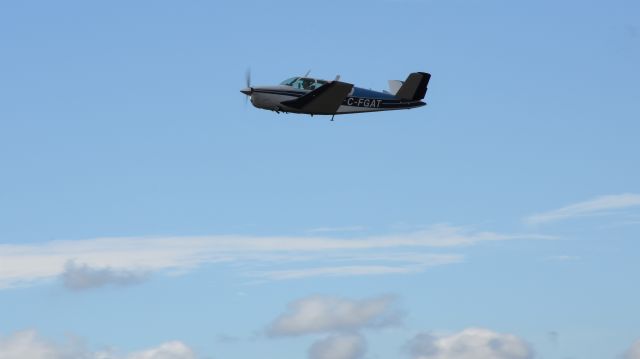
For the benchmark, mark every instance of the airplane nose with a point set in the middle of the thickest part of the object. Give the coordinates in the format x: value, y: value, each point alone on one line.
x: 247, y: 91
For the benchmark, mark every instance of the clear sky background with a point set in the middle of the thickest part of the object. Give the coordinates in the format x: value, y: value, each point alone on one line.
x: 146, y: 212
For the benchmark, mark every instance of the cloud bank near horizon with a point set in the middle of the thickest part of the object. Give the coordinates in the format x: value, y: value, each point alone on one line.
x: 28, y: 344
x: 470, y: 343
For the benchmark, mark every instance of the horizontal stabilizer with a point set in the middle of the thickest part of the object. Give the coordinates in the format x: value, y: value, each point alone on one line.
x: 394, y: 86
x: 324, y: 100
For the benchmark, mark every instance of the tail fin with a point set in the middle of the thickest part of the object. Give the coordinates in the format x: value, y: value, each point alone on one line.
x: 415, y: 88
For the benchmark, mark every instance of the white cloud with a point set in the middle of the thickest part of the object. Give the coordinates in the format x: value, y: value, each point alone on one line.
x: 322, y: 314
x: 340, y: 346
x: 596, y: 206
x: 28, y: 345
x: 170, y: 350
x: 259, y: 257
x: 81, y: 276
x: 472, y: 343
x: 634, y: 351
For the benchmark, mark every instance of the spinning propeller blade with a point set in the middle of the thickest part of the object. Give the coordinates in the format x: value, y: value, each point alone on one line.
x: 248, y: 90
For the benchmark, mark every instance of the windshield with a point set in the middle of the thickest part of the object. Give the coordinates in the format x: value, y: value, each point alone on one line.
x: 289, y: 82
x: 303, y: 83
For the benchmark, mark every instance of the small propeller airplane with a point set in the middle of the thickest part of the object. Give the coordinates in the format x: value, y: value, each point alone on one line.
x: 312, y: 96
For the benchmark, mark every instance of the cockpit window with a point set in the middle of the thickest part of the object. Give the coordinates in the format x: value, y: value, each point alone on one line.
x: 289, y: 82
x: 320, y: 83
x: 303, y: 83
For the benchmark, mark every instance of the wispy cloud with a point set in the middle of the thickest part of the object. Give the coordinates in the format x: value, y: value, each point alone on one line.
x: 397, y: 265
x: 226, y: 338
x: 117, y: 260
x: 338, y: 229
x: 597, y: 206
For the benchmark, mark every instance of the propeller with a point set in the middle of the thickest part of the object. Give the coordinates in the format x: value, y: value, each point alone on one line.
x: 248, y: 90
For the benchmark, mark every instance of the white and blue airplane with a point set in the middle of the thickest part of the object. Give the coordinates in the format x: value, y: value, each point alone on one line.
x: 311, y: 96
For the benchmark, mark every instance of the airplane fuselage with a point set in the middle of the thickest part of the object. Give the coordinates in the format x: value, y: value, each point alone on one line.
x: 358, y: 100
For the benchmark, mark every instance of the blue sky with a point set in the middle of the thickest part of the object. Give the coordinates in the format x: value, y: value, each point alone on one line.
x: 146, y: 212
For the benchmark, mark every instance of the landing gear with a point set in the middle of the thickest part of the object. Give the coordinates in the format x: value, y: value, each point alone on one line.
x: 332, y: 116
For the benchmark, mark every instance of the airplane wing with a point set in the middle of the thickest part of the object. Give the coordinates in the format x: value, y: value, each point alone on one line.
x: 324, y: 100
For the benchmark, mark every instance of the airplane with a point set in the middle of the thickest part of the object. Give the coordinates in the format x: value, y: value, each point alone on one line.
x: 306, y: 95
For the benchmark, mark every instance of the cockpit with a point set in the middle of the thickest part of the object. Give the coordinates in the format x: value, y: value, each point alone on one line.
x: 303, y: 83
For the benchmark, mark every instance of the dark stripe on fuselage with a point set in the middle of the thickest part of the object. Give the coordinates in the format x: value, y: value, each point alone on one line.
x: 378, y: 104
x: 382, y: 101
x: 400, y: 105
x: 280, y: 92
